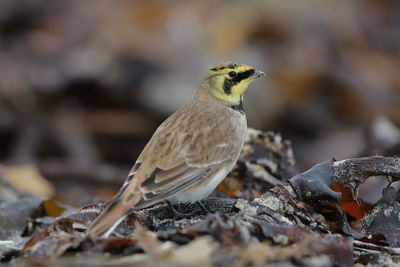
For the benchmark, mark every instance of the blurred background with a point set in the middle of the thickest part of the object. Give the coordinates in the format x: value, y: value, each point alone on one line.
x: 84, y: 84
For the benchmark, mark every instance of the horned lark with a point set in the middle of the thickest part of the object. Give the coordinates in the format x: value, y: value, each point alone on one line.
x: 191, y: 152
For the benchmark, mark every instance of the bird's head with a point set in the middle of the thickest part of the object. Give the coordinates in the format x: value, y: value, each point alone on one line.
x: 229, y: 81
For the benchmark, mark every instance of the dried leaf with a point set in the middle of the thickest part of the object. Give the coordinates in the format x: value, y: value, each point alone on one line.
x: 118, y: 246
x: 338, y: 248
x: 27, y: 178
x: 151, y: 245
x: 196, y: 253
x: 52, y: 208
x: 36, y: 237
x: 52, y: 247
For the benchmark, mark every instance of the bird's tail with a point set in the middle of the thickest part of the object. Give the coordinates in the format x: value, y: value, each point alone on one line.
x: 110, y: 218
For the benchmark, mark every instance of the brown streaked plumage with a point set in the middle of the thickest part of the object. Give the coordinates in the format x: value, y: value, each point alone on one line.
x: 191, y: 152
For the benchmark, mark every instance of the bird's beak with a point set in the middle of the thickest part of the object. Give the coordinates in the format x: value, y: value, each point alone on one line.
x: 257, y: 74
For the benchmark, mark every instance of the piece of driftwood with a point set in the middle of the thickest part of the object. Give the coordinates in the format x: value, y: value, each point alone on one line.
x: 353, y: 172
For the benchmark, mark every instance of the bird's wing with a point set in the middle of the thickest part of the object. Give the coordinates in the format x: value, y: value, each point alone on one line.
x: 194, y: 157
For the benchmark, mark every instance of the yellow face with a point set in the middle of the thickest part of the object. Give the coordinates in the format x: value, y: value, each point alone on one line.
x: 229, y: 81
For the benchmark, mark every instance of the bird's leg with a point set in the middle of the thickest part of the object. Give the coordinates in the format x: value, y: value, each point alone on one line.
x: 176, y: 212
x: 203, y: 208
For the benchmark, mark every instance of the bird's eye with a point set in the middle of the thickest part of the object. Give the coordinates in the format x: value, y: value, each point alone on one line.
x: 232, y: 74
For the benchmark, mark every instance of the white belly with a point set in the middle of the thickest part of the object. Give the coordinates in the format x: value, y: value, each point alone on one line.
x: 201, y: 190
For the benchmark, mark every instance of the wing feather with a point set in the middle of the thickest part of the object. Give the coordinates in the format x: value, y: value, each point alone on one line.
x: 151, y: 197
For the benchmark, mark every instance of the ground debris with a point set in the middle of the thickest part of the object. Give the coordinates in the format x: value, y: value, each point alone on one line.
x: 315, y: 187
x: 303, y: 221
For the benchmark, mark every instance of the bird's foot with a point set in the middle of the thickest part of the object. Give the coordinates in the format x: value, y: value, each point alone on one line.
x: 203, y: 207
x: 177, y: 213
x: 203, y: 210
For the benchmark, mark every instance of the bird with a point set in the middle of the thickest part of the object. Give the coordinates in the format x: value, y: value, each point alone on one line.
x: 191, y: 152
